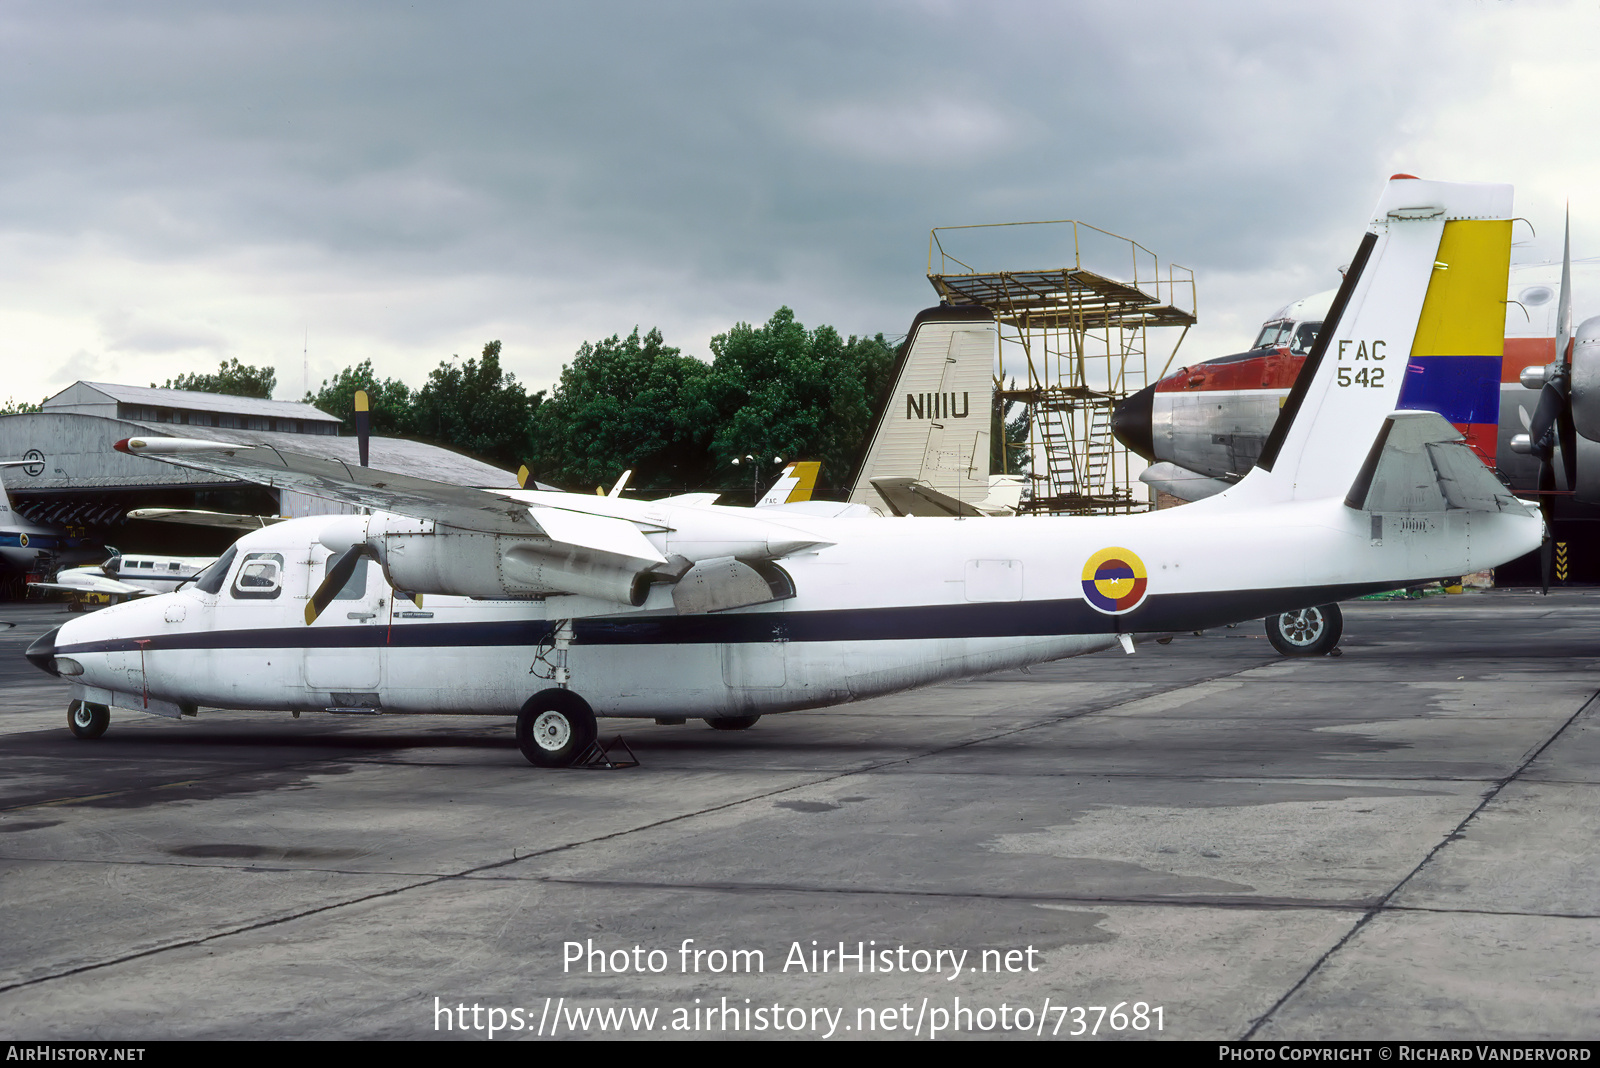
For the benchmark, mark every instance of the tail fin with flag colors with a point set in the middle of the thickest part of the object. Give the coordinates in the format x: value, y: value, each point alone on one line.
x: 796, y: 483
x: 1426, y: 282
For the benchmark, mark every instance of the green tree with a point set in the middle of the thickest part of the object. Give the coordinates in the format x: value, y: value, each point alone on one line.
x: 16, y: 407
x: 389, y: 400
x: 233, y: 378
x: 619, y: 406
x: 1008, y: 438
x: 475, y: 407
x: 783, y: 390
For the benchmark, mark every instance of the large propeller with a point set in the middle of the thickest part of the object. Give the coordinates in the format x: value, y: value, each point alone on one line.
x: 340, y: 568
x: 1551, y: 434
x: 343, y: 566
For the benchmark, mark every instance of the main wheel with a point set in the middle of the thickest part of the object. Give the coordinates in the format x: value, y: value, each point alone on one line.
x: 554, y: 728
x: 88, y: 720
x: 733, y: 723
x: 1306, y: 631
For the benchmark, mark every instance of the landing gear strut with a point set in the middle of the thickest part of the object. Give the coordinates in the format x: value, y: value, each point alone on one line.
x: 88, y: 720
x: 1307, y: 631
x: 554, y: 728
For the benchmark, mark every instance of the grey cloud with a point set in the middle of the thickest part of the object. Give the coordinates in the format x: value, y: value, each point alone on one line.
x: 709, y: 152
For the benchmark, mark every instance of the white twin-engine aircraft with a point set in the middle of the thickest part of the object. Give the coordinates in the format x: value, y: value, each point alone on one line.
x: 557, y: 607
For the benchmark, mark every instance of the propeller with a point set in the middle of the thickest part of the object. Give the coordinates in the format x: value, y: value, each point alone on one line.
x: 1551, y: 432
x: 363, y: 424
x: 339, y: 571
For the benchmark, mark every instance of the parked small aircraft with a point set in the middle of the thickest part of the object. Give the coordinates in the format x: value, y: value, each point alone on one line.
x: 558, y: 607
x: 28, y: 549
x: 122, y: 577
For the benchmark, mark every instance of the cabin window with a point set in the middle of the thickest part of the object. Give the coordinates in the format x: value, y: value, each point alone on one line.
x: 173, y: 566
x: 356, y: 588
x: 260, y: 576
x: 210, y: 580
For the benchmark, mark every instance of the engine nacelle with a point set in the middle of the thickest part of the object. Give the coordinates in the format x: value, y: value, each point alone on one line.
x: 462, y: 563
x: 1586, y: 378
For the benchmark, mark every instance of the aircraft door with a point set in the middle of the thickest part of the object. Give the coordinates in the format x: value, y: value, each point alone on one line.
x: 343, y: 662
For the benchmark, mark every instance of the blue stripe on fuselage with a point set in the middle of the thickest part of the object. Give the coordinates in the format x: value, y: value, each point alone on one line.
x: 1000, y: 619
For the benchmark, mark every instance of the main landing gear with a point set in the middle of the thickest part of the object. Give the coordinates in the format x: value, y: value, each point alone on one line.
x: 1307, y: 631
x: 88, y: 720
x: 555, y: 728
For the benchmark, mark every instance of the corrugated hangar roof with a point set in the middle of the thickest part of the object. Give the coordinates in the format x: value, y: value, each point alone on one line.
x: 75, y: 453
x: 81, y: 395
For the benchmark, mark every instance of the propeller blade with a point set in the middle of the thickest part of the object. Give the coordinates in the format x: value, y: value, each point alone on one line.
x: 523, y: 474
x: 339, y: 572
x: 1567, y: 442
x: 1553, y: 401
x: 363, y: 424
x: 1564, y: 302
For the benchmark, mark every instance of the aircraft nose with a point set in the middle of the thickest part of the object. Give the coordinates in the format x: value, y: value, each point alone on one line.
x: 42, y: 653
x: 1131, y: 421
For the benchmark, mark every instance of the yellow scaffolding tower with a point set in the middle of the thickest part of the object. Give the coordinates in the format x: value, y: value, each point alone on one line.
x: 1079, y: 338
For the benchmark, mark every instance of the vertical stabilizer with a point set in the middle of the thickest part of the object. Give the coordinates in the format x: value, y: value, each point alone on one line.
x: 8, y: 518
x: 934, y: 427
x: 1428, y: 280
x: 795, y: 484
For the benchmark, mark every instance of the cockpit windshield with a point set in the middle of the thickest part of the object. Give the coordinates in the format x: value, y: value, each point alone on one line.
x: 210, y: 580
x: 1305, y: 335
x: 1273, y: 335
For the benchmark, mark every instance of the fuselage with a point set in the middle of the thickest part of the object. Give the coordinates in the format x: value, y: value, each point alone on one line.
x: 891, y: 604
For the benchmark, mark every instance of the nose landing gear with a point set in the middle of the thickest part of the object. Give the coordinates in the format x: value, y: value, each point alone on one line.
x: 87, y: 720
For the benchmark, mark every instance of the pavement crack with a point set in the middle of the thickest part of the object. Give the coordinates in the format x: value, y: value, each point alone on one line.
x: 1383, y: 903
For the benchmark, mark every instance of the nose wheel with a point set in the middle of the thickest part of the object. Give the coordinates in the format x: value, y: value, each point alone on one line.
x: 1307, y: 631
x: 87, y: 720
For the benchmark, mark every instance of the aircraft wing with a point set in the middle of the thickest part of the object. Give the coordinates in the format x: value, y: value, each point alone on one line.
x: 335, y: 480
x: 1420, y: 463
x: 466, y: 507
x: 203, y: 518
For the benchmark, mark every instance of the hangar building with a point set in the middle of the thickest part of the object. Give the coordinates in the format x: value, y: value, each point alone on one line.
x: 80, y: 481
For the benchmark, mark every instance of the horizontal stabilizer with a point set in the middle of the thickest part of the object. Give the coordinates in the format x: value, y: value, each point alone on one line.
x: 1420, y: 463
x: 910, y: 496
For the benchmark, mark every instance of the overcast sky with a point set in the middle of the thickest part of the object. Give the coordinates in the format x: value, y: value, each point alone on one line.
x: 186, y: 183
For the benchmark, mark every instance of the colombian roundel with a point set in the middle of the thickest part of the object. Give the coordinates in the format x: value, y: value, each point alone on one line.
x: 1114, y: 581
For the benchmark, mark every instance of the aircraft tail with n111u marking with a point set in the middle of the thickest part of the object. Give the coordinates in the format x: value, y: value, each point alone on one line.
x: 681, y: 607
